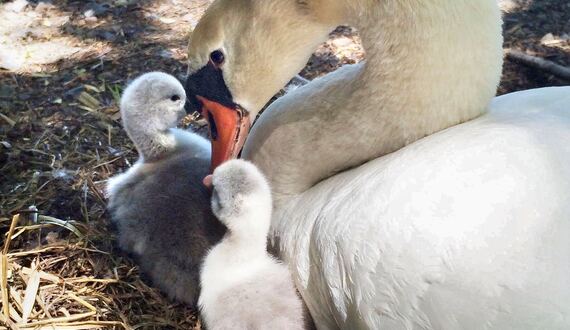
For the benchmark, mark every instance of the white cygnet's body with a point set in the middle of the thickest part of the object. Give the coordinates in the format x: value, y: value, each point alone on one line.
x: 243, y: 287
x: 159, y: 206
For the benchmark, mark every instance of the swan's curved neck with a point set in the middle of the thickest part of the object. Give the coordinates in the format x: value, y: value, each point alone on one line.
x: 429, y: 65
x: 152, y: 141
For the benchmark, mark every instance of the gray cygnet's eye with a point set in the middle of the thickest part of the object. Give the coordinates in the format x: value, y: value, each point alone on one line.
x: 175, y: 98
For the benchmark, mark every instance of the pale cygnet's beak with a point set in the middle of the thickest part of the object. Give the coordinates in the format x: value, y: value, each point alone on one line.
x: 207, y: 181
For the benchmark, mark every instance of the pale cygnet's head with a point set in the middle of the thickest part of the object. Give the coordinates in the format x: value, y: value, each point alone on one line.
x: 153, y: 101
x: 241, y: 197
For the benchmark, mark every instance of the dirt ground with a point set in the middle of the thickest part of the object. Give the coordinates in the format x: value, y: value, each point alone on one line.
x: 63, y: 65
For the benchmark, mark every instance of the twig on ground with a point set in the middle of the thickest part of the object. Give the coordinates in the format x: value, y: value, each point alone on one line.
x: 539, y: 63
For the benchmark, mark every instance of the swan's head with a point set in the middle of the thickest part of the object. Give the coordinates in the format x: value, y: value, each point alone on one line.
x: 240, y: 54
x: 241, y: 198
x: 153, y: 101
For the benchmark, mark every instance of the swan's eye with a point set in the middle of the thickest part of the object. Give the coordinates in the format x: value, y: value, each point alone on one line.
x: 175, y: 98
x: 217, y: 57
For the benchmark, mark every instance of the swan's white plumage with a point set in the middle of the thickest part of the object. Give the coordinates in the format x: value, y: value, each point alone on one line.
x: 463, y: 229
x: 498, y: 253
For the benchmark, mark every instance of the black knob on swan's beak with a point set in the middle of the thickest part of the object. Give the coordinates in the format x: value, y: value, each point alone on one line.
x: 192, y: 105
x: 208, y: 82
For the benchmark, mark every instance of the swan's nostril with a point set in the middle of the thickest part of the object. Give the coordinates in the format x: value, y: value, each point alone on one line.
x: 213, y: 128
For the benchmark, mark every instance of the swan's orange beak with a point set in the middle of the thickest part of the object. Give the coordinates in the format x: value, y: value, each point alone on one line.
x: 228, y: 130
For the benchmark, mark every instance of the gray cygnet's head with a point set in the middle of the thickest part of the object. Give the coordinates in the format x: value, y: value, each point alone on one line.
x: 241, y: 197
x: 153, y: 101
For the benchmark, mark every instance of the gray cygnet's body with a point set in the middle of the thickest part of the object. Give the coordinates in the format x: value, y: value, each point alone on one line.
x: 160, y: 206
x: 243, y: 287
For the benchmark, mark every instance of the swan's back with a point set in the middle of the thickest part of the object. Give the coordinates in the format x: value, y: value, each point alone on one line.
x: 468, y: 228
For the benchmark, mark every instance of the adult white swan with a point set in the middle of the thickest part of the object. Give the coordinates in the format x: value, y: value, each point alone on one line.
x: 383, y: 227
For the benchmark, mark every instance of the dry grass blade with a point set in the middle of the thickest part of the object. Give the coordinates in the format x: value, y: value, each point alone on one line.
x: 57, y: 320
x: 13, y: 224
x: 96, y: 192
x: 68, y: 327
x: 30, y: 295
x: 82, y: 302
x: 92, y: 88
x: 17, y: 299
x: 11, y: 325
x: 4, y: 267
x: 14, y: 315
x: 37, y: 251
x: 62, y: 223
x: 88, y: 101
x: 4, y: 283
x: 83, y: 325
x: 92, y: 280
x: 43, y: 275
x: 8, y: 120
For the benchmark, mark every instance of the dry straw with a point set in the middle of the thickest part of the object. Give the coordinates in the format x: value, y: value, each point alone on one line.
x: 71, y: 284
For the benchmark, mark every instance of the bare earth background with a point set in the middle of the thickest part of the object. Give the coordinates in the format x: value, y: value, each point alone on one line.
x: 63, y: 65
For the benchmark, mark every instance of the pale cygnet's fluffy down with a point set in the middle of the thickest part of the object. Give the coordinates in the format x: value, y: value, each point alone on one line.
x: 159, y: 206
x: 243, y: 287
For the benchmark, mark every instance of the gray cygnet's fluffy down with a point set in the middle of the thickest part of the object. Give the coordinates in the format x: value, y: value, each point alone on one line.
x: 243, y: 287
x: 159, y: 206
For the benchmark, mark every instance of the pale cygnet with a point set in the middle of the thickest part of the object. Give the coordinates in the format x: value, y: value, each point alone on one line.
x: 243, y: 287
x: 160, y: 207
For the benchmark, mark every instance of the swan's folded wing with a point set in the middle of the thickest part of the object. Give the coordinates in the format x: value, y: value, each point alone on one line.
x: 466, y: 227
